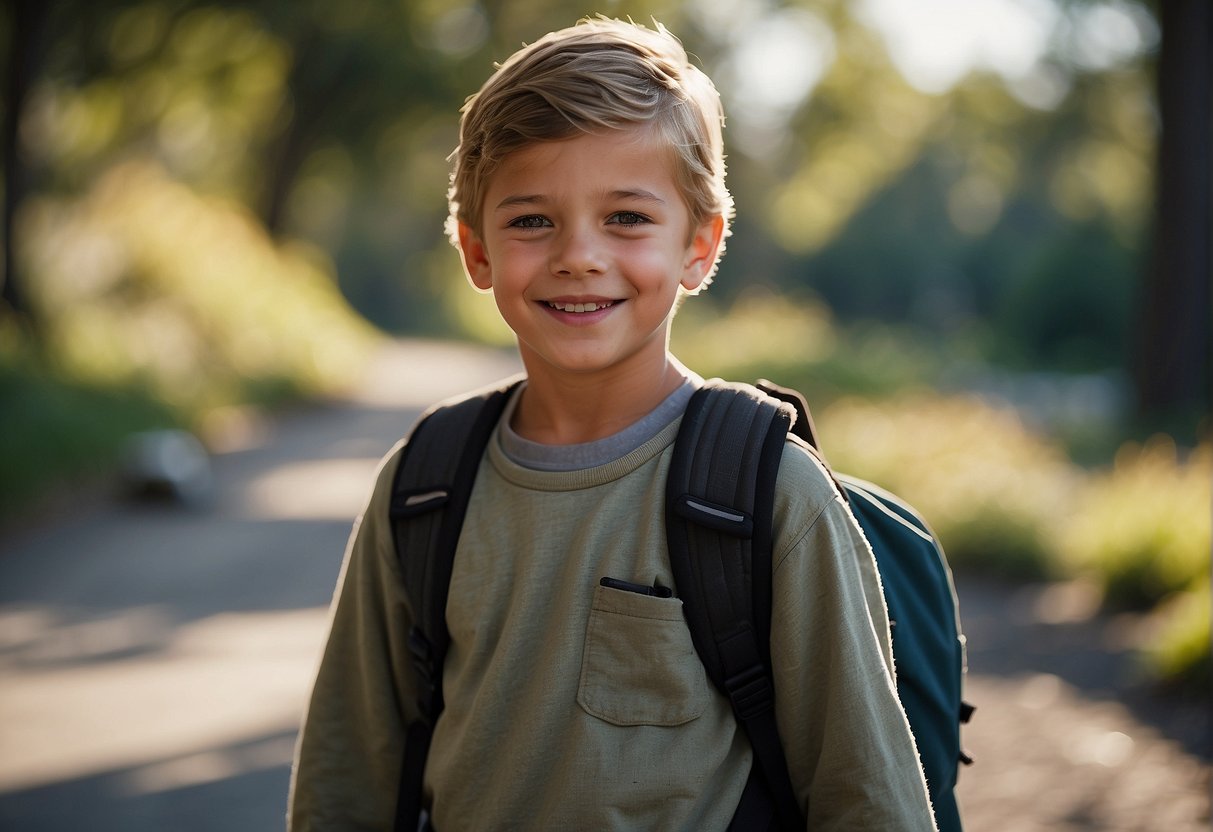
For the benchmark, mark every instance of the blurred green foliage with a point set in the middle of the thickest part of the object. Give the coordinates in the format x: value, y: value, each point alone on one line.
x: 185, y: 294
x: 59, y: 431
x: 948, y: 209
x: 1179, y: 650
x: 1143, y: 525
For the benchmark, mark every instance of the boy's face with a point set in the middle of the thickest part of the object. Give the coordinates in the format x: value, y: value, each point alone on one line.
x: 585, y: 244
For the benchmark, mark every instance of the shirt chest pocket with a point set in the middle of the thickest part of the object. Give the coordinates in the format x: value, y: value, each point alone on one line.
x: 639, y: 666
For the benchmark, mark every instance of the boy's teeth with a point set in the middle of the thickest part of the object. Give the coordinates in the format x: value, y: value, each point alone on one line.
x: 579, y: 307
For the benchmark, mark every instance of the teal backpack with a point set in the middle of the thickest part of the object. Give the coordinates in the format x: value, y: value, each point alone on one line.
x: 720, y: 494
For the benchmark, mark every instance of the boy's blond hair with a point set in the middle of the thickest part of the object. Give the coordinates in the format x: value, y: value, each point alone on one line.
x: 600, y: 74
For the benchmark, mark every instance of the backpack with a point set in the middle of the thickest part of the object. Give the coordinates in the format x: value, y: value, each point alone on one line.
x: 720, y: 496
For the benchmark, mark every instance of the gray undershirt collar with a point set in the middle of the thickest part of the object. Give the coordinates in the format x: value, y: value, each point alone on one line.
x: 540, y: 457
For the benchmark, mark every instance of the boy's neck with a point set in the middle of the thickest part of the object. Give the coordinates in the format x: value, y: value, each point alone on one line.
x: 568, y: 409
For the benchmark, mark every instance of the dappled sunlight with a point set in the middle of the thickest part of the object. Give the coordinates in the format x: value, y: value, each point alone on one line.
x: 772, y: 63
x: 324, y: 489
x: 409, y: 373
x: 219, y: 207
x: 202, y: 85
x: 32, y: 637
x: 218, y: 681
x: 1061, y: 757
x: 209, y: 766
x: 936, y: 43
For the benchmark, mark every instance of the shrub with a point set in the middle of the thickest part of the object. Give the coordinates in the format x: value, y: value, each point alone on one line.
x: 1179, y: 652
x: 988, y: 485
x: 1141, y: 529
x: 142, y: 281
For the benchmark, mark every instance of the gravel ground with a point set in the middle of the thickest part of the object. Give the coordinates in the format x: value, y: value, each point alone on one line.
x: 1066, y: 735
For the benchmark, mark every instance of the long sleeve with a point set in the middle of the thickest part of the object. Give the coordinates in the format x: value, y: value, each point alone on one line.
x: 849, y: 748
x: 348, y: 758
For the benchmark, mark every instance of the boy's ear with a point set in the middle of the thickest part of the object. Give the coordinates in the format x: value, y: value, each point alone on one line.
x: 475, y: 258
x: 701, y: 253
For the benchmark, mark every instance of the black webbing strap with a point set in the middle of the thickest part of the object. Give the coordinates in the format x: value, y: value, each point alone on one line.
x: 720, y: 493
x: 430, y: 495
x: 803, y: 426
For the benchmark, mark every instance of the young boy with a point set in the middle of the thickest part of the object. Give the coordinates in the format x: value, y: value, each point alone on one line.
x: 588, y: 196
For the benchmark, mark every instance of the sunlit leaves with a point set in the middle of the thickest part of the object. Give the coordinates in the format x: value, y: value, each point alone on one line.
x: 145, y: 280
x: 988, y: 484
x: 195, y: 89
x: 1143, y: 526
x: 759, y: 328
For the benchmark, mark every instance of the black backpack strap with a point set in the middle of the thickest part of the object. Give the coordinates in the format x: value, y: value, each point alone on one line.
x: 803, y: 426
x: 720, y: 498
x: 430, y: 495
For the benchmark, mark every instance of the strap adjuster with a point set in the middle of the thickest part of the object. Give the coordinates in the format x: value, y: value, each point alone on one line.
x: 751, y: 692
x: 724, y: 519
x: 429, y: 690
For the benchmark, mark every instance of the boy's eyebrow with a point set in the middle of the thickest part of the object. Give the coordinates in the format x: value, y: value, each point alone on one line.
x: 638, y: 194
x: 520, y: 199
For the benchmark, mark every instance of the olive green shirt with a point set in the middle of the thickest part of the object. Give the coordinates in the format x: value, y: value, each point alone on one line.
x: 573, y: 706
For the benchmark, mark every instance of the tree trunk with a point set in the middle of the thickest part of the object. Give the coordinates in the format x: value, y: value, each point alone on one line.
x: 316, y: 80
x: 1175, y: 354
x: 28, y: 24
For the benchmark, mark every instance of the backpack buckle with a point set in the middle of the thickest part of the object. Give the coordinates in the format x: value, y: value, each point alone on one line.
x: 429, y: 694
x: 750, y: 692
x: 749, y: 687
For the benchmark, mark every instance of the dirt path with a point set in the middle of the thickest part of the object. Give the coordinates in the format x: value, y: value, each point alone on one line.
x: 1066, y: 736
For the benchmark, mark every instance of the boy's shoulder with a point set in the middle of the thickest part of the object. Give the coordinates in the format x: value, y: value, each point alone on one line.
x: 803, y: 469
x: 805, y: 486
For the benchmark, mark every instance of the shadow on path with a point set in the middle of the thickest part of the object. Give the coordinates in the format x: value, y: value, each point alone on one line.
x: 1033, y: 630
x: 241, y: 787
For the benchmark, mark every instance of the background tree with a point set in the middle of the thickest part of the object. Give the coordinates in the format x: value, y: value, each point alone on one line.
x: 1173, y: 370
x: 25, y: 32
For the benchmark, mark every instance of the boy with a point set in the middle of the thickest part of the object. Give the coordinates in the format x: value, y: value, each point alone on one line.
x: 588, y: 196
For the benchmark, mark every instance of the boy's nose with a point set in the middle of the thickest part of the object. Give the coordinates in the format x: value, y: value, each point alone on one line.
x: 578, y: 254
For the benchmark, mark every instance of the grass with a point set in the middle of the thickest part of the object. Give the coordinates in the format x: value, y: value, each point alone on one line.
x: 60, y: 433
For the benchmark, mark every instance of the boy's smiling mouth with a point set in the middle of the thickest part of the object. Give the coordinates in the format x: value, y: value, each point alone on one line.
x: 579, y: 307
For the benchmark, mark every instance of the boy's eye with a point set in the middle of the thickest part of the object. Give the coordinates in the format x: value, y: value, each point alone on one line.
x: 628, y: 218
x: 530, y: 221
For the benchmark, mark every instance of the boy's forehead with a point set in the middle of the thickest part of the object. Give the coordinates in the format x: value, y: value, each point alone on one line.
x: 622, y: 154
